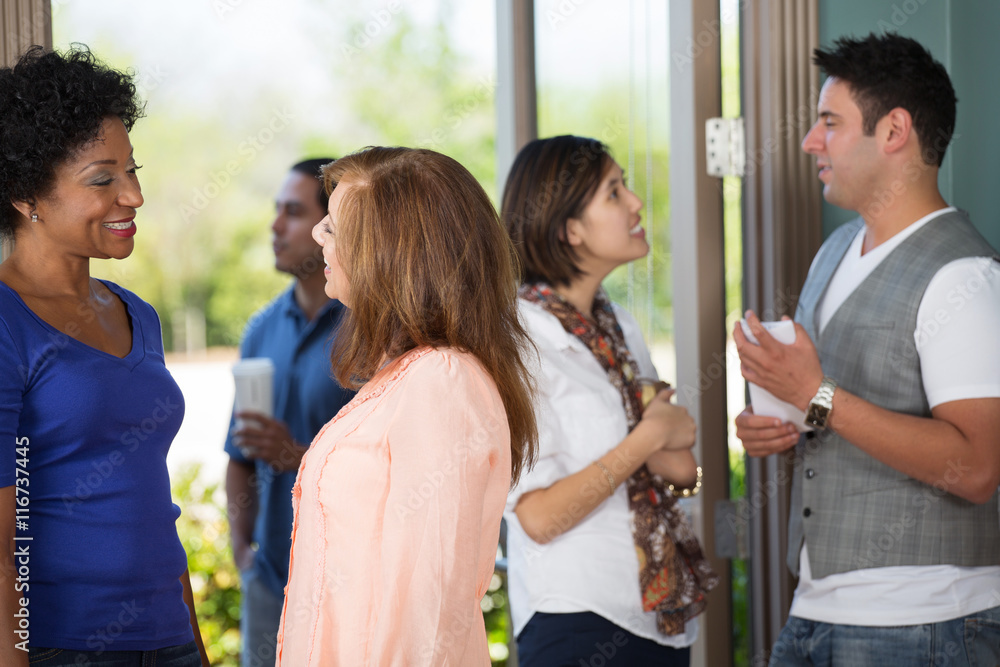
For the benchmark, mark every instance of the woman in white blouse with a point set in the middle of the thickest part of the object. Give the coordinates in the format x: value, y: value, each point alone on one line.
x: 602, y: 560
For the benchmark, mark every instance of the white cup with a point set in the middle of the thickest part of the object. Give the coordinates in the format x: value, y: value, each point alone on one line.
x: 254, y: 379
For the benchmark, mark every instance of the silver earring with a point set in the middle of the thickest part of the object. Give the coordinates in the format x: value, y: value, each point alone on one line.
x: 34, y: 217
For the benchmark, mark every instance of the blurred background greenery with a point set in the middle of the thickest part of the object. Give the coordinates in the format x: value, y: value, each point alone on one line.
x: 238, y: 90
x: 204, y: 532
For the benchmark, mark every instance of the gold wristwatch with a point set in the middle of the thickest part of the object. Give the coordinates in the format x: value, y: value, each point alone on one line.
x: 821, y: 405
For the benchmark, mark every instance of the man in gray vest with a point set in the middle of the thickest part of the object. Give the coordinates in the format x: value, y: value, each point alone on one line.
x: 894, y: 531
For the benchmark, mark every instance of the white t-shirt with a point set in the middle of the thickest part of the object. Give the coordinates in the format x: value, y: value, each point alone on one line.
x: 592, y: 567
x: 957, y: 322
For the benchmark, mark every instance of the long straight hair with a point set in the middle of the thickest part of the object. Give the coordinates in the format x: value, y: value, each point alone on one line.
x: 429, y: 264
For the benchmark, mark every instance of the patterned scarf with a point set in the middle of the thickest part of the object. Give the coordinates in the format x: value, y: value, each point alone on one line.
x: 674, y: 575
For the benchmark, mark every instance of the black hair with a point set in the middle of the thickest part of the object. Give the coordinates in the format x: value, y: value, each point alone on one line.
x: 889, y: 71
x: 51, y: 105
x: 313, y: 167
x: 551, y: 181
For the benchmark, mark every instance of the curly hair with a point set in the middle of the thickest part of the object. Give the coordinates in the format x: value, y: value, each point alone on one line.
x: 51, y: 105
x: 889, y: 71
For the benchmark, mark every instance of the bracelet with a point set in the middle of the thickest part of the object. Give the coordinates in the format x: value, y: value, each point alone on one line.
x: 609, y: 476
x: 687, y: 493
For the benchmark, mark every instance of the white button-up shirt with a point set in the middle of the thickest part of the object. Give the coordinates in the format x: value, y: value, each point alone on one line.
x: 593, y: 566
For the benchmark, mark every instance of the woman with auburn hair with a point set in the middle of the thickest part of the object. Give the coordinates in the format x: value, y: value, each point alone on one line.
x: 601, y: 558
x: 399, y: 499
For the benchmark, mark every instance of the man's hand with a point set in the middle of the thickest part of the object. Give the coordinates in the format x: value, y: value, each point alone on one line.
x: 243, y: 555
x: 242, y: 497
x: 763, y: 436
x: 790, y: 372
x: 268, y: 440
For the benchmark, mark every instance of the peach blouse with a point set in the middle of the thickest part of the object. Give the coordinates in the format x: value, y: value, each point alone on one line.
x: 397, y: 514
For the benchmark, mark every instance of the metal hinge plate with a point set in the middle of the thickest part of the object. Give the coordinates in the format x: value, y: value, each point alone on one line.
x: 725, y: 147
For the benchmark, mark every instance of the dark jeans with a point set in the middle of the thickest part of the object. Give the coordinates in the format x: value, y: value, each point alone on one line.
x: 588, y: 640
x: 185, y: 655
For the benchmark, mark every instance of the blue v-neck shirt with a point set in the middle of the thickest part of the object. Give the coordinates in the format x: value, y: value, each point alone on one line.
x: 91, y: 431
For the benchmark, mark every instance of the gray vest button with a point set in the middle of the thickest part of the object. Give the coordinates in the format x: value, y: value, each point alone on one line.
x: 810, y: 473
x: 806, y: 512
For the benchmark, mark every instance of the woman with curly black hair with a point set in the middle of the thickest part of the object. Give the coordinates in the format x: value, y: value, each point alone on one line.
x: 88, y: 409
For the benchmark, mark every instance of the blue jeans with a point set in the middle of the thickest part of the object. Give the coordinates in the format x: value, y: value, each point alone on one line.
x: 585, y: 639
x: 185, y: 655
x: 970, y: 641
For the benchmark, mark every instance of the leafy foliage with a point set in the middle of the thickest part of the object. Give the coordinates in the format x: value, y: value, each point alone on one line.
x: 204, y: 532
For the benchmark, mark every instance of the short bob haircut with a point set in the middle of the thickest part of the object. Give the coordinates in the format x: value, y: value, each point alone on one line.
x: 429, y: 264
x: 551, y: 181
x: 52, y: 105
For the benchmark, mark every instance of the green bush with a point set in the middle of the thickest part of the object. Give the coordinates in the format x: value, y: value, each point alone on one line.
x: 204, y: 532
x: 494, y: 605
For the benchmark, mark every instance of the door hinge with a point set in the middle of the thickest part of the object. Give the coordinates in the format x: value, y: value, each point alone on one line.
x: 725, y: 147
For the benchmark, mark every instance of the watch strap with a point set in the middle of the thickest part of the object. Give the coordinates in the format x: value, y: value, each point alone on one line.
x: 821, y: 405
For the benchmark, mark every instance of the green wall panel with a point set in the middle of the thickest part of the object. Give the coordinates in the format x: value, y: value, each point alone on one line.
x: 963, y: 36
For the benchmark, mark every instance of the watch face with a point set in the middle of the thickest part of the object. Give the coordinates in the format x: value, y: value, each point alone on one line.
x: 817, y: 415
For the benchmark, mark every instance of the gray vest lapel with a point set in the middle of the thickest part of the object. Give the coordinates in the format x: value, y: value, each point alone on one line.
x: 830, y: 256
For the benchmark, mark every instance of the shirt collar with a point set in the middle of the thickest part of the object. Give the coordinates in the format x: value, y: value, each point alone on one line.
x: 547, y: 329
x: 292, y: 308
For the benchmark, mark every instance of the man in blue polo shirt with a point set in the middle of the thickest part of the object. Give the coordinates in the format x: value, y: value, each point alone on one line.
x: 294, y: 331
